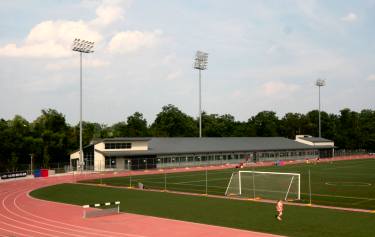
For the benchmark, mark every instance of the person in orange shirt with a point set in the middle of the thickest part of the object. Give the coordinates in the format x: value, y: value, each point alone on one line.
x: 279, y: 209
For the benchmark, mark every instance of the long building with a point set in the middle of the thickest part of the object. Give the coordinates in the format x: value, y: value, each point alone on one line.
x: 129, y: 153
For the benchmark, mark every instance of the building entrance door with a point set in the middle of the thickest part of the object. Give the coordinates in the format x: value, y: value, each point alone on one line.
x: 127, y: 164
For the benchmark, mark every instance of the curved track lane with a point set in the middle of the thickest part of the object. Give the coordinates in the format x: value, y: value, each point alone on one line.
x: 22, y: 215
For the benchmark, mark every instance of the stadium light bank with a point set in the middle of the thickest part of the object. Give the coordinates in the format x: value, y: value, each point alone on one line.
x: 320, y: 83
x: 81, y: 46
x: 200, y: 63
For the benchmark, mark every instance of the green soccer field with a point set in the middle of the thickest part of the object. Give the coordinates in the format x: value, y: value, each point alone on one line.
x: 340, y: 183
x: 298, y: 221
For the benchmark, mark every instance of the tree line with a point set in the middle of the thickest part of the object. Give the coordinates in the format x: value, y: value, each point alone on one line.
x: 49, y: 139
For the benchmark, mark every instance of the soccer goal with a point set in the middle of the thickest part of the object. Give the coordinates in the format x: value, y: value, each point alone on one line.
x: 265, y: 185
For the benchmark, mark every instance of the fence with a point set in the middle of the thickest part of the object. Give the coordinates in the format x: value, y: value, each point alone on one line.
x: 323, y: 182
x: 168, y: 162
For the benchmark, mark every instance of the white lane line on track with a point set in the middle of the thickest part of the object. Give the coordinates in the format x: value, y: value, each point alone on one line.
x: 11, y: 233
x: 26, y: 224
x: 84, y: 229
x: 28, y: 230
x: 69, y: 226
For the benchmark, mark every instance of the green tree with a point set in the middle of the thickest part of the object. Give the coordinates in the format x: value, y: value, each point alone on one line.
x: 14, y: 134
x: 120, y: 130
x: 291, y: 125
x: 367, y: 129
x: 349, y: 136
x: 13, y: 162
x: 214, y: 125
x: 266, y: 124
x: 52, y: 129
x: 137, y: 125
x: 244, y: 129
x: 171, y: 122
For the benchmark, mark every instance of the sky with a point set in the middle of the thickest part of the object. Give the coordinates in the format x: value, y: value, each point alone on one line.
x: 262, y: 55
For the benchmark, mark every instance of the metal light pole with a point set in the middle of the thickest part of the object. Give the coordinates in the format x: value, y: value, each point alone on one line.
x: 200, y: 63
x: 31, y: 164
x: 320, y: 83
x: 81, y: 46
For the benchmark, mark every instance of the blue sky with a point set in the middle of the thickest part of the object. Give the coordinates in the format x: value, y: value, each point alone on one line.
x: 263, y: 55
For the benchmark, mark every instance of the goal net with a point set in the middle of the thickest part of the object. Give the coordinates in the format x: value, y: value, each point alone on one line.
x: 265, y: 185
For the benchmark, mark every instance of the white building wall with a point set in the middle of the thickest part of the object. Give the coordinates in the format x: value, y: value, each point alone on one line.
x: 74, y: 155
x: 304, y: 142
x: 139, y: 146
x: 325, y: 144
x: 100, y: 146
x: 99, y: 161
x: 136, y: 146
x: 120, y: 163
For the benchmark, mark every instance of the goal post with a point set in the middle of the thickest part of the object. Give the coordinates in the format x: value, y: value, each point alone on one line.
x: 265, y: 185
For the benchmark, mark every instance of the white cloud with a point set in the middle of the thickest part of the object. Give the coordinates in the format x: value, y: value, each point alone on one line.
x: 278, y: 88
x: 351, y: 17
x: 371, y: 77
x: 53, y: 39
x: 129, y: 41
x: 273, y: 49
x: 173, y: 76
x: 48, y: 49
x: 109, y: 12
x: 237, y: 93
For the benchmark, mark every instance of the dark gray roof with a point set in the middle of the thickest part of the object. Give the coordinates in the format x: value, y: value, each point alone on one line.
x: 124, y: 139
x: 180, y: 145
x: 315, y: 139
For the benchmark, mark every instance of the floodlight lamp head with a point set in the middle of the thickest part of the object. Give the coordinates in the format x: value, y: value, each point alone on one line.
x: 82, y: 46
x: 320, y: 82
x: 201, y: 60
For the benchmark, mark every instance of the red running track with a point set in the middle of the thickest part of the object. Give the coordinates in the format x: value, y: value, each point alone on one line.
x: 24, y: 216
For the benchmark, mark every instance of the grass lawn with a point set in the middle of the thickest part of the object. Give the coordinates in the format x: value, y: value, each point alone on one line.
x: 298, y: 221
x: 341, y: 183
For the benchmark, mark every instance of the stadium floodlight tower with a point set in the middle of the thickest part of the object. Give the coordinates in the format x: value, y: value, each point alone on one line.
x: 200, y: 63
x: 319, y: 83
x: 81, y: 46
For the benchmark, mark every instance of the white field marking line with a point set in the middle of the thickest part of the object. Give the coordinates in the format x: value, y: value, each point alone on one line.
x: 267, y: 190
x: 169, y: 175
x: 322, y: 195
x: 360, y: 202
x: 26, y: 224
x: 174, y: 175
x: 338, y: 196
x: 185, y: 184
x: 348, y: 184
x: 13, y: 232
x: 217, y: 187
x: 343, y: 166
x: 344, y: 174
x: 146, y: 179
x: 75, y: 226
x: 197, y: 181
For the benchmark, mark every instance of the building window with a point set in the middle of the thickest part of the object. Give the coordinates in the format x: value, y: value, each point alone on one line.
x: 110, y: 162
x: 123, y: 145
